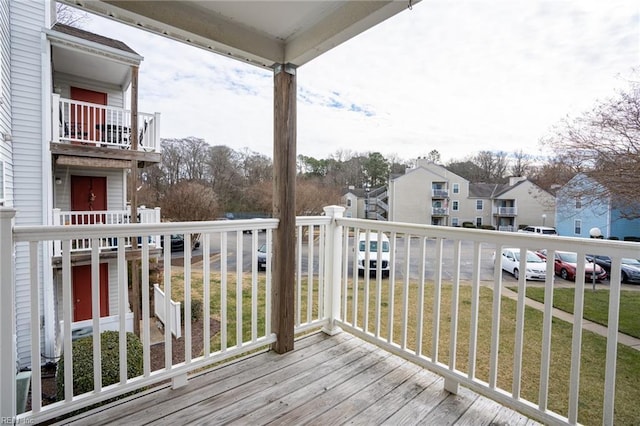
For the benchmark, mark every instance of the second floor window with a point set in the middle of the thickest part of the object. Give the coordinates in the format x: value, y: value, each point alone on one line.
x: 348, y: 202
x: 479, y: 204
x: 577, y: 227
x: 454, y: 205
x: 456, y: 188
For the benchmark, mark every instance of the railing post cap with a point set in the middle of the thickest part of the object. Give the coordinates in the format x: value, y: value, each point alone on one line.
x: 7, y: 212
x: 333, y: 211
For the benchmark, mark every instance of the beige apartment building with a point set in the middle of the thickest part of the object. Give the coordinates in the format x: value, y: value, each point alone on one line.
x: 431, y: 194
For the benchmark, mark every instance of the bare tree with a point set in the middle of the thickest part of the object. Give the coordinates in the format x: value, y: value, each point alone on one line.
x: 434, y: 156
x: 187, y: 201
x: 604, y: 144
x: 193, y: 152
x: 70, y: 16
x: 521, y: 164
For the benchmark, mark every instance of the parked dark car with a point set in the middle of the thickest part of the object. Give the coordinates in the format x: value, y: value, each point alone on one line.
x: 630, y: 267
x: 262, y: 257
x: 177, y: 242
x: 566, y: 263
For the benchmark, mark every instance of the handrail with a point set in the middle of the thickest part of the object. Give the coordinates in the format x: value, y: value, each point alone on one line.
x: 78, y: 122
x: 330, y: 293
x: 428, y: 243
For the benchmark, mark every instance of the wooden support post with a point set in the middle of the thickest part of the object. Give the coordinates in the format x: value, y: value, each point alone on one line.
x: 284, y: 206
x: 133, y: 188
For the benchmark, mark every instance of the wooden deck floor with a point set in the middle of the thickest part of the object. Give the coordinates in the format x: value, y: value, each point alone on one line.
x: 324, y: 381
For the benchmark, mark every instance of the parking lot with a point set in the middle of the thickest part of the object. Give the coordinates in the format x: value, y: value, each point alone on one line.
x: 466, y: 255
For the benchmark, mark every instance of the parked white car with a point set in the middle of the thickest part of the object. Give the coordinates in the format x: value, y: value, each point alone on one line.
x: 373, y: 253
x: 536, y: 266
x: 540, y: 230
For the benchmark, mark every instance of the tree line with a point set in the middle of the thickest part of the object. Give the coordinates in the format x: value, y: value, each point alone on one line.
x: 197, y: 181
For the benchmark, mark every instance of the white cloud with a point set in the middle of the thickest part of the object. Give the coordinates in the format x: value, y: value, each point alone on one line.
x: 453, y: 76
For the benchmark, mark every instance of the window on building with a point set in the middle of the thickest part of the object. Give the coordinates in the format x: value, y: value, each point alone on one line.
x: 577, y: 227
x: 455, y: 221
x: 479, y: 204
x: 455, y: 205
x: 478, y: 222
x: 578, y: 203
x: 456, y: 188
x: 348, y: 202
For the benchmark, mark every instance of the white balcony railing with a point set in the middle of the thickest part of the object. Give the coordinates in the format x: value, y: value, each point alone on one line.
x: 505, y: 211
x: 107, y: 217
x: 439, y: 193
x: 77, y: 122
x: 403, y: 313
x: 439, y: 211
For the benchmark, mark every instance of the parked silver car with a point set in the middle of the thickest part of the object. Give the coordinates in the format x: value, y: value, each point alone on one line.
x: 536, y: 266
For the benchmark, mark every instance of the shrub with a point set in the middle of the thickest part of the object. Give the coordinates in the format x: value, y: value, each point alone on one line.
x: 196, y: 310
x: 83, y: 362
x: 489, y: 227
x: 468, y: 225
x: 632, y: 238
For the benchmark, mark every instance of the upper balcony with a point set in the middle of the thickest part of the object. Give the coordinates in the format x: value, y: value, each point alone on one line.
x: 445, y: 306
x: 505, y: 211
x: 439, y: 193
x: 91, y: 130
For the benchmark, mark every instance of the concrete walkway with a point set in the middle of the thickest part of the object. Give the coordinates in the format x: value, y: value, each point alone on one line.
x: 624, y: 339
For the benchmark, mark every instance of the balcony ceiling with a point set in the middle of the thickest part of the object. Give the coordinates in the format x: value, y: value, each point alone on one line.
x: 263, y: 33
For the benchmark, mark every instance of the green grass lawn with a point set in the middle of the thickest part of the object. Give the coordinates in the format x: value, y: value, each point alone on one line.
x: 596, y: 306
x: 627, y: 409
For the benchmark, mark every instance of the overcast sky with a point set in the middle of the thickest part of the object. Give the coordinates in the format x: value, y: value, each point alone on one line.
x: 455, y: 76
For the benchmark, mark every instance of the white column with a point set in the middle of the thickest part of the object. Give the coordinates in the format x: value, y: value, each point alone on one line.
x: 7, y: 316
x: 332, y: 265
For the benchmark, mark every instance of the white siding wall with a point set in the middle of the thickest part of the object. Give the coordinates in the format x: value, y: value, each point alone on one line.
x: 26, y: 22
x: 6, y: 179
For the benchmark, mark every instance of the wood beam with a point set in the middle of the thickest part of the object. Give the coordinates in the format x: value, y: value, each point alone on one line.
x: 284, y: 207
x: 135, y: 269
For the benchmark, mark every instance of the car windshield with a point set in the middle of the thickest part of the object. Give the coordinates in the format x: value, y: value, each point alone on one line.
x: 533, y: 258
x: 568, y: 257
x: 633, y: 262
x: 373, y: 246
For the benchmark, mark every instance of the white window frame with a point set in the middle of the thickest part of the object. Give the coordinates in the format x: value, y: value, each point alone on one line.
x: 455, y: 205
x: 577, y: 226
x: 455, y: 221
x: 478, y: 221
x: 456, y: 188
x: 481, y: 204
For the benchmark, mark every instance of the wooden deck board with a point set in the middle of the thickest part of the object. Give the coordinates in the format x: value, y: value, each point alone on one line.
x: 324, y: 381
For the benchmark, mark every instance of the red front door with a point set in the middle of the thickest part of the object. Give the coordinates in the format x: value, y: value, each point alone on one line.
x: 81, y: 281
x: 88, y: 193
x: 86, y: 121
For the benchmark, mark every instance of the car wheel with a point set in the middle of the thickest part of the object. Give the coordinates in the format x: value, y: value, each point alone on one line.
x: 564, y: 274
x: 516, y: 274
x: 624, y: 277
